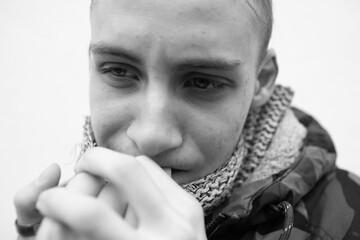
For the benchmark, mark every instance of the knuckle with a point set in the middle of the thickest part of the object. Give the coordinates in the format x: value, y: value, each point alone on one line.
x: 91, y: 154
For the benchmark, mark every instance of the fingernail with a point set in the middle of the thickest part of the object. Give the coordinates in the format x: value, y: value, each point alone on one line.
x: 168, y: 171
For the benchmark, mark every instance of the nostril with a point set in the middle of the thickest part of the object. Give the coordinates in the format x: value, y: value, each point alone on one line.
x: 152, y: 140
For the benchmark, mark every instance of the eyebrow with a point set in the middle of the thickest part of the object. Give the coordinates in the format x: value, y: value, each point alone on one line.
x: 199, y: 63
x: 210, y: 63
x: 104, y: 49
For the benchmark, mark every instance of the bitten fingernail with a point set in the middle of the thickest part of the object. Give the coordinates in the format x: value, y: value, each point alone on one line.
x: 168, y: 171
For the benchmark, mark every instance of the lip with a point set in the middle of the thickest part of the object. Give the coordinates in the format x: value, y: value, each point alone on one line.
x: 181, y: 176
x: 173, y: 172
x: 176, y: 167
x: 176, y: 161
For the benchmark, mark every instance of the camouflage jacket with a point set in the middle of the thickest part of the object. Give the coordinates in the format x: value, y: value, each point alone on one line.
x: 325, y: 200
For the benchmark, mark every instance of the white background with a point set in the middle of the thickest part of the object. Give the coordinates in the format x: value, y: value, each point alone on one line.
x: 44, y: 74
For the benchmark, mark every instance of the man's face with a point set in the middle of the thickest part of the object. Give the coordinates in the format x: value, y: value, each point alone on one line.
x: 172, y: 80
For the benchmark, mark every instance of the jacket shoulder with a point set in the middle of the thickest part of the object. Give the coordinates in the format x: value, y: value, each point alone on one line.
x: 316, y: 134
x: 333, y: 206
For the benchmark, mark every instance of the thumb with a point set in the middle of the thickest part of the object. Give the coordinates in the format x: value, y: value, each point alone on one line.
x: 25, y: 199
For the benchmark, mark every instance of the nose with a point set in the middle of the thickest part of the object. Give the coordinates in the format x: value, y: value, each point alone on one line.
x: 155, y: 129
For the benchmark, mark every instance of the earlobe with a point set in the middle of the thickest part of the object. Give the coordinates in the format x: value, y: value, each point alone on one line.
x: 265, y: 83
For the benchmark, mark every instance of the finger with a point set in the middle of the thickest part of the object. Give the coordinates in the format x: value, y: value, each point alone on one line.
x: 185, y: 205
x: 130, y: 216
x: 67, y: 173
x: 53, y: 230
x: 177, y: 197
x: 25, y: 199
x: 162, y: 177
x: 83, y: 214
x: 82, y: 183
x: 110, y: 195
x: 130, y: 178
x: 85, y: 183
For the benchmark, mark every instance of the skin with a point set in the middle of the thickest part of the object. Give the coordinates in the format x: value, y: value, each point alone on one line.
x: 171, y: 84
x: 173, y: 106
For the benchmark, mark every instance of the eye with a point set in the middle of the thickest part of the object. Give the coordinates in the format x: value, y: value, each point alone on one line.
x: 203, y: 83
x: 119, y: 75
x: 120, y: 72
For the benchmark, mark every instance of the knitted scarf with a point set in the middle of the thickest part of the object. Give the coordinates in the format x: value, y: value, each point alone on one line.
x: 259, y: 129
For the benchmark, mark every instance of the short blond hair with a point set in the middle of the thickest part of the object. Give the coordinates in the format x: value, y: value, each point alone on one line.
x: 263, y: 19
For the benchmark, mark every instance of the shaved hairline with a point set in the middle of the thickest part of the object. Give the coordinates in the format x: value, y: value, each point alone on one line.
x: 262, y: 17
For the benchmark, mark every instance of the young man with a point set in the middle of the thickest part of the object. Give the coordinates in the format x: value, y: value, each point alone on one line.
x: 183, y: 97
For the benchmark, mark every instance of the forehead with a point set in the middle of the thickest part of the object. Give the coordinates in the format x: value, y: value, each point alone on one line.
x: 200, y: 24
x: 207, y: 9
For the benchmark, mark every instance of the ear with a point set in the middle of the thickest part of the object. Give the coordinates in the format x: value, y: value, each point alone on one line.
x: 265, y: 83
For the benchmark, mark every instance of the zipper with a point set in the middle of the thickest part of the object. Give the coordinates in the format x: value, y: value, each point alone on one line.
x: 283, y: 207
x: 288, y: 213
x: 214, y: 224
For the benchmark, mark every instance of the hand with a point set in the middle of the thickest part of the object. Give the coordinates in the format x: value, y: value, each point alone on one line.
x: 82, y: 183
x: 25, y: 199
x: 139, y: 202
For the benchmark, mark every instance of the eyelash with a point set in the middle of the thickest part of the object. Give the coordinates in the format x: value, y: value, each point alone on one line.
x: 110, y: 70
x: 210, y: 85
x: 214, y: 84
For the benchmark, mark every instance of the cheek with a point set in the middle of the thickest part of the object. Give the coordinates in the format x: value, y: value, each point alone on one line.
x: 221, y: 133
x: 109, y: 116
x: 226, y: 136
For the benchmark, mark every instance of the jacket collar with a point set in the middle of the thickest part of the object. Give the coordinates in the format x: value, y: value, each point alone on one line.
x: 251, y: 201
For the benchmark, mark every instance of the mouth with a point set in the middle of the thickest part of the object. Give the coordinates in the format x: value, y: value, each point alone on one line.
x: 178, y: 175
x: 173, y: 172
